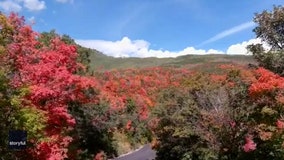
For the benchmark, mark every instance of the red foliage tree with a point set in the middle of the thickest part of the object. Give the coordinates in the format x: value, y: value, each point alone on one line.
x: 140, y: 85
x: 267, y: 82
x: 49, y: 73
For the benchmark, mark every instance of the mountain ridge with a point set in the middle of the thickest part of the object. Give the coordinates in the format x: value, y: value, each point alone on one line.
x: 101, y: 62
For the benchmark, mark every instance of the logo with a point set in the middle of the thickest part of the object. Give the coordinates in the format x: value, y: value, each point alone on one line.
x: 17, y: 139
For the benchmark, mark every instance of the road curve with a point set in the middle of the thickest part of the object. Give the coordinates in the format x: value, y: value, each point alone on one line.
x: 145, y: 153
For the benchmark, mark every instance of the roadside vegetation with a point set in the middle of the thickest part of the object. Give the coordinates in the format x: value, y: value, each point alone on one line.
x: 76, y: 103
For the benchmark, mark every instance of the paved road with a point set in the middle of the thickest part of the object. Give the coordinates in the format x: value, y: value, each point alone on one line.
x: 145, y: 153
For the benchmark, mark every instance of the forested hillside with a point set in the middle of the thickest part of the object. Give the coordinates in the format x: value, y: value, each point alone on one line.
x: 77, y: 103
x: 101, y: 62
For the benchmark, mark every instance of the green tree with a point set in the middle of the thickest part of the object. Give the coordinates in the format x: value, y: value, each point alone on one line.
x: 239, y: 118
x: 177, y: 134
x: 92, y: 132
x: 270, y: 29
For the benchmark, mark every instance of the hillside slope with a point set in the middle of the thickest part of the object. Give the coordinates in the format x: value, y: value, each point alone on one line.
x: 101, y: 62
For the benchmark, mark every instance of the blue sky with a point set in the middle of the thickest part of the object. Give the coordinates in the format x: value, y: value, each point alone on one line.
x: 143, y: 28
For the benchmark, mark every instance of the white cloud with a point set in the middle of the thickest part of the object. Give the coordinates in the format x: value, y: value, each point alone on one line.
x: 34, y: 5
x: 9, y: 6
x: 240, y: 48
x: 141, y: 48
x: 64, y: 1
x: 229, y: 32
x: 138, y: 48
x: 17, y: 5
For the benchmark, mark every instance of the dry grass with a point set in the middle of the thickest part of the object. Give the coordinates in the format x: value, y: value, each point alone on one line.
x: 123, y: 144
